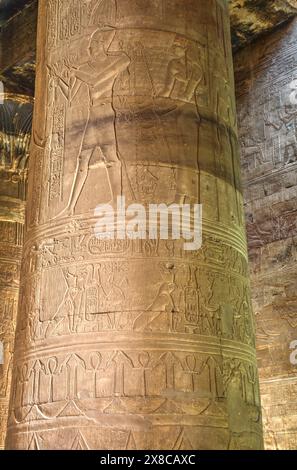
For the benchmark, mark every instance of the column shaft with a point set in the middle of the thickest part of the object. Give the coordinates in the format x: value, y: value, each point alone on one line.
x: 134, y: 344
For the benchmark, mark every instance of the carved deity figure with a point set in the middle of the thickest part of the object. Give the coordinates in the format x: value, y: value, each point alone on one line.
x: 99, y: 74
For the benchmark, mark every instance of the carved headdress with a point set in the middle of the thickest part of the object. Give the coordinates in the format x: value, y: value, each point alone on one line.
x: 103, y: 35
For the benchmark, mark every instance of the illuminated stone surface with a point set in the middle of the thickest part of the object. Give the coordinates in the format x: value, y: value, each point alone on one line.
x: 134, y: 345
x: 267, y: 107
x: 251, y: 19
x: 18, y: 21
x: 15, y: 128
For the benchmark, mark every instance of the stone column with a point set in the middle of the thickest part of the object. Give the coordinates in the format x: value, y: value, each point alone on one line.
x: 137, y: 344
x: 267, y: 106
x: 15, y: 129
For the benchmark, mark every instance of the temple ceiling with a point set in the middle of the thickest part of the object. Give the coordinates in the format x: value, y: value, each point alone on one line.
x: 249, y: 19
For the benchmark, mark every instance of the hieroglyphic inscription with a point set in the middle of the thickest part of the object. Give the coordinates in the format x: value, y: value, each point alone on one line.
x: 135, y: 344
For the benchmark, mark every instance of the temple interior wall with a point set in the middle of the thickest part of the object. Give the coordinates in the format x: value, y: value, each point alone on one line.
x: 265, y: 76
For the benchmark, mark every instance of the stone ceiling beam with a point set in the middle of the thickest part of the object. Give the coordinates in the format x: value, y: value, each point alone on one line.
x: 249, y: 19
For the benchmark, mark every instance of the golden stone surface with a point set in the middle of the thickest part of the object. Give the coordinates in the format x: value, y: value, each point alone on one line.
x: 252, y: 19
x: 134, y: 344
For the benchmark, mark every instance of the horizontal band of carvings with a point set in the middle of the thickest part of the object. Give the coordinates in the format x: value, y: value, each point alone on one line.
x: 139, y: 341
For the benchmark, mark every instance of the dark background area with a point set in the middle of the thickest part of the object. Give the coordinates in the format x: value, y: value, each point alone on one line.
x: 8, y: 8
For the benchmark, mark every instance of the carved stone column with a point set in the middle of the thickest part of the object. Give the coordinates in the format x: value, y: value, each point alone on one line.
x: 134, y: 344
x: 15, y: 129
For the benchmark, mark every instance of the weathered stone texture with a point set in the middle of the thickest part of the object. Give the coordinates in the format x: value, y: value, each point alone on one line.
x: 18, y: 47
x: 15, y: 130
x: 253, y: 18
x: 266, y: 82
x: 134, y: 344
x: 18, y: 23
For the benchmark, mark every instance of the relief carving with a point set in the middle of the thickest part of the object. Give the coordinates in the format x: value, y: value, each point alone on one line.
x: 134, y: 343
